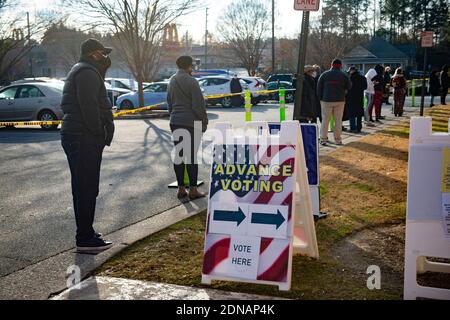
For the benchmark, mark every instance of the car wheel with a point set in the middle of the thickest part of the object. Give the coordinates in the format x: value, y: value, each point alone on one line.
x: 126, y: 105
x: 255, y: 101
x: 290, y: 97
x: 47, y: 115
x: 226, y: 102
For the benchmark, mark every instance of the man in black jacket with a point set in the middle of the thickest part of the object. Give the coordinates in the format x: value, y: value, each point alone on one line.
x: 87, y: 128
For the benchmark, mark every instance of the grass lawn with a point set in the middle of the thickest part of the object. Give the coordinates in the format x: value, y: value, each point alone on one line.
x: 363, y: 188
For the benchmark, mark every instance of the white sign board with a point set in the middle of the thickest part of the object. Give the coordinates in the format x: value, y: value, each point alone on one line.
x: 307, y: 5
x: 428, y: 208
x: 427, y: 39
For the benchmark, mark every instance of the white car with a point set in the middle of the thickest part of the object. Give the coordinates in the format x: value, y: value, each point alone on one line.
x: 218, y: 85
x: 121, y: 83
x: 256, y: 84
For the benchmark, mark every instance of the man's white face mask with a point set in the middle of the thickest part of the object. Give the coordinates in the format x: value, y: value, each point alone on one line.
x: 314, y: 74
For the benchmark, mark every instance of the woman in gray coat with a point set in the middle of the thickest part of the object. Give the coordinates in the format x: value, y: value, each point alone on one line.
x: 188, y: 122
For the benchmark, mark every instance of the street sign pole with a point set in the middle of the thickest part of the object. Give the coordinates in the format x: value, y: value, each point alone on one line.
x: 301, y: 65
x: 422, y: 101
x: 426, y: 42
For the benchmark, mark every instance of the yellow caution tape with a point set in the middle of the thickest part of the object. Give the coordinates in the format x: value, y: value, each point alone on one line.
x: 134, y: 111
x: 30, y: 123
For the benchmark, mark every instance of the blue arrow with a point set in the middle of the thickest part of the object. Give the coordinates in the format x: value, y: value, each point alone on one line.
x: 267, y: 218
x: 229, y: 216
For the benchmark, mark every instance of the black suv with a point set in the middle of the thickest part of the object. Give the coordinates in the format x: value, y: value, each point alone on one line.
x: 287, y: 77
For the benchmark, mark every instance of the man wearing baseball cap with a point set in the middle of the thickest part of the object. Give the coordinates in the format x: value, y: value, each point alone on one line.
x: 87, y: 128
x: 332, y: 88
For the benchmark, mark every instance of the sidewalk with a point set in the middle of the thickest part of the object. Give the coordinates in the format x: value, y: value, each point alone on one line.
x: 106, y: 288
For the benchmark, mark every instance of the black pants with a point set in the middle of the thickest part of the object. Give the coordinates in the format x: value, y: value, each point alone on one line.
x: 84, y: 154
x: 444, y: 95
x: 356, y: 123
x: 186, y: 153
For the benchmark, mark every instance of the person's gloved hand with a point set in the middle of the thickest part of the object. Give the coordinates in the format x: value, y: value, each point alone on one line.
x: 109, y: 133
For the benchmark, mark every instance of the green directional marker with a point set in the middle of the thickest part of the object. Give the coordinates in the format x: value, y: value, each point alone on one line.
x: 268, y: 219
x: 229, y: 216
x: 282, y: 104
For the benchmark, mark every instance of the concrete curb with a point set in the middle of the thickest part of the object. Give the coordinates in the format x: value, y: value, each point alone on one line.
x: 49, y: 277
x: 107, y: 288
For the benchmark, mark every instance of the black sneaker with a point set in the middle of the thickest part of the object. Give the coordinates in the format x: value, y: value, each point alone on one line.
x: 93, y: 246
x: 323, y: 143
x: 98, y: 235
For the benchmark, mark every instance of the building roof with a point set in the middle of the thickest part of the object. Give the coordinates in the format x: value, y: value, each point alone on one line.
x: 377, y: 48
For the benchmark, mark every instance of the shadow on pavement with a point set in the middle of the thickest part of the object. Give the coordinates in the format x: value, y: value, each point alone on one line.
x: 27, y: 135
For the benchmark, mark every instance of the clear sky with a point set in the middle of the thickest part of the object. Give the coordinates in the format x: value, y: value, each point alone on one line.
x: 288, y: 20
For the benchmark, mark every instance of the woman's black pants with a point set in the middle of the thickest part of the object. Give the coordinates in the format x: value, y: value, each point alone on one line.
x: 187, y: 142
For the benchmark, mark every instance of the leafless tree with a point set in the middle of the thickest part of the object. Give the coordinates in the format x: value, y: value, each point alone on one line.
x: 14, y: 42
x: 137, y: 28
x: 243, y: 27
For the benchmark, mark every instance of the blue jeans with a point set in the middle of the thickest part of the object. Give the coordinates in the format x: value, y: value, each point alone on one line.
x: 84, y: 154
x: 356, y: 124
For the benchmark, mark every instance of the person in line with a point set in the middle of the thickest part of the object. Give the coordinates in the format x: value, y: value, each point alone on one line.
x: 308, y: 112
x: 317, y: 72
x: 398, y: 82
x: 435, y: 86
x: 387, y: 81
x: 188, y: 122
x: 445, y: 83
x: 236, y: 87
x: 332, y: 88
x: 87, y: 128
x: 370, y: 96
x: 355, y: 100
x: 378, y: 85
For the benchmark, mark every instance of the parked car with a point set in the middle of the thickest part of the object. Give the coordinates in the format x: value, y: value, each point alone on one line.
x: 290, y: 95
x: 115, y: 93
x: 218, y: 85
x: 38, y: 80
x: 286, y: 77
x: 34, y: 101
x: 154, y: 93
x: 256, y: 84
x: 121, y: 83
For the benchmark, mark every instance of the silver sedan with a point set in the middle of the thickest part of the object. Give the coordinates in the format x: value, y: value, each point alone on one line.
x: 32, y: 102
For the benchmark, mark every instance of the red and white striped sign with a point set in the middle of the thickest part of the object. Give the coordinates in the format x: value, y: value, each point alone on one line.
x: 250, y: 226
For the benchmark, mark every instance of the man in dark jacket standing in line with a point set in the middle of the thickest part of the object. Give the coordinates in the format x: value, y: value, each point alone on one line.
x: 309, y: 112
x: 332, y: 88
x: 87, y: 128
x: 354, y: 103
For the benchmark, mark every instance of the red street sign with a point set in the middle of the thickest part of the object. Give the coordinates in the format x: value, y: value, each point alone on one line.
x: 427, y: 39
x: 307, y: 5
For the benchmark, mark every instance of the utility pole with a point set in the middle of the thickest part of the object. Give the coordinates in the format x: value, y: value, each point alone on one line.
x: 301, y: 65
x: 30, y: 58
x: 206, y: 40
x: 273, y: 36
x: 374, y: 17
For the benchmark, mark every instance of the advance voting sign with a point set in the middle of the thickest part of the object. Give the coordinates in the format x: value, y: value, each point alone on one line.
x: 249, y: 236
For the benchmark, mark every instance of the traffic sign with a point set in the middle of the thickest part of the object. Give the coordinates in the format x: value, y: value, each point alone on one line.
x: 307, y: 5
x: 427, y: 39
